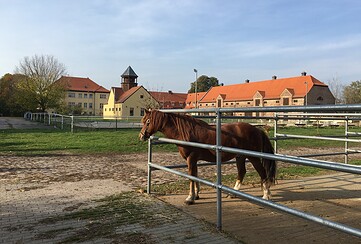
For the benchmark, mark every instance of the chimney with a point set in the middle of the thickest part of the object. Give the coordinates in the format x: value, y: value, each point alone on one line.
x: 304, y: 73
x: 274, y: 77
x: 246, y: 81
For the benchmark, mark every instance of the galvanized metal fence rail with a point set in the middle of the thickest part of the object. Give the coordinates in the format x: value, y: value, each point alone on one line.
x: 333, y: 119
x: 71, y: 122
x: 285, y: 158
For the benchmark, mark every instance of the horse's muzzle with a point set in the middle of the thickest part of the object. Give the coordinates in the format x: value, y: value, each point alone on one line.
x: 143, y: 136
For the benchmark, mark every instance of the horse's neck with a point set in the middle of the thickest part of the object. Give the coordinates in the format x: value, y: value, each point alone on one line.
x: 170, y: 131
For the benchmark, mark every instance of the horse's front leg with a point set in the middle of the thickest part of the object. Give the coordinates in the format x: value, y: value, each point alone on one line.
x: 241, y: 168
x: 193, y: 186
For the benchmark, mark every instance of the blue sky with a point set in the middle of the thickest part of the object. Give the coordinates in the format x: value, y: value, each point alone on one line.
x: 164, y: 40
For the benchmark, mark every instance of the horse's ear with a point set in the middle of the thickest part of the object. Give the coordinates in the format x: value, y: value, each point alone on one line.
x: 147, y: 111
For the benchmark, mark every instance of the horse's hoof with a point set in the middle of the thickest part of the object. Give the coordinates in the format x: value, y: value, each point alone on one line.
x: 266, y: 197
x: 196, y: 198
x: 189, y: 202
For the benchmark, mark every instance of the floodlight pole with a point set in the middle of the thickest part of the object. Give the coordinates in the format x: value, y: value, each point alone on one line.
x: 196, y: 71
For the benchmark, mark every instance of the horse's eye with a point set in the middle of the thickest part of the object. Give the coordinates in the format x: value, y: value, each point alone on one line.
x: 148, y: 121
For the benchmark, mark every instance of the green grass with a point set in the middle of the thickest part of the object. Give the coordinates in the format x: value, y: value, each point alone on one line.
x: 45, y: 142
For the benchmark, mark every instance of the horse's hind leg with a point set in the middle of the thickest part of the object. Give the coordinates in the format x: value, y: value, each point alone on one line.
x: 197, y: 190
x: 266, y: 190
x: 241, y: 168
x: 257, y: 164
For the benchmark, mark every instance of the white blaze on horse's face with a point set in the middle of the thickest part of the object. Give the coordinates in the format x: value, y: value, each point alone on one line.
x: 144, y: 132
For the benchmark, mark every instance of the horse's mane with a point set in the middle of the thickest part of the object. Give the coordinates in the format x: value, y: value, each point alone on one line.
x: 185, y: 125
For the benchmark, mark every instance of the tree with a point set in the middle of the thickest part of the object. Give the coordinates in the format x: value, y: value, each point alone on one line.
x: 8, y: 94
x: 71, y: 110
x: 204, y: 83
x: 38, y: 90
x: 150, y: 103
x: 337, y: 89
x: 352, y: 92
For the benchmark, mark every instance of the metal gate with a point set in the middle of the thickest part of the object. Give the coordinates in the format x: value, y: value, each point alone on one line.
x: 217, y: 114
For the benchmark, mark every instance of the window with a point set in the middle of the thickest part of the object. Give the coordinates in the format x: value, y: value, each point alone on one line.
x: 131, y: 111
x: 286, y: 101
x: 85, y: 105
x: 90, y: 105
x: 257, y: 102
x: 142, y: 112
x: 85, y: 95
x: 101, y: 105
x: 103, y: 96
x: 320, y: 99
x: 219, y: 103
x: 71, y: 94
x: 79, y: 104
x: 71, y: 104
x: 141, y: 96
x: 80, y: 95
x: 90, y: 95
x: 295, y: 101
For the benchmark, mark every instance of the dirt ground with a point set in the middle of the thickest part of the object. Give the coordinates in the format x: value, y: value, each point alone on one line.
x: 55, y: 176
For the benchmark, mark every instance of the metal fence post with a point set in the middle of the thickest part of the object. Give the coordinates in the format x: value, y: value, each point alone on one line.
x: 346, y: 142
x: 72, y: 124
x: 62, y: 122
x: 149, y: 178
x: 219, y: 171
x: 275, y: 132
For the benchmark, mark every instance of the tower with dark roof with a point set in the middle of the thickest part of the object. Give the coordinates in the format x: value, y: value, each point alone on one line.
x: 129, y: 79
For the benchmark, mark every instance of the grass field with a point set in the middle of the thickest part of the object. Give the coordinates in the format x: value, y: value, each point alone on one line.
x: 41, y: 142
x: 45, y: 142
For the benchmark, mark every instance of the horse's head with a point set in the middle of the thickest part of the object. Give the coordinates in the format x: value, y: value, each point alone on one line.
x: 149, y: 127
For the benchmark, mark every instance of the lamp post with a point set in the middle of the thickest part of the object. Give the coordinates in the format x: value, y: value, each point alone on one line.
x: 306, y: 93
x: 196, y: 71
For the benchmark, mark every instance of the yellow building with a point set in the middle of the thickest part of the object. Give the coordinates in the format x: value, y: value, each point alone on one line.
x: 129, y: 99
x: 85, y: 94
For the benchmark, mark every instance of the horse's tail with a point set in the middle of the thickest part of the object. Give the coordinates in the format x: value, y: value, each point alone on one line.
x: 269, y: 164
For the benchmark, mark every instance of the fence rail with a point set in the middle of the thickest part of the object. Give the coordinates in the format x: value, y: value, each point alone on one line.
x: 73, y: 123
x: 352, y: 109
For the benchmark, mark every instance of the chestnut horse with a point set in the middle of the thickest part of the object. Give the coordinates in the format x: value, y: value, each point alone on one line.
x: 235, y: 135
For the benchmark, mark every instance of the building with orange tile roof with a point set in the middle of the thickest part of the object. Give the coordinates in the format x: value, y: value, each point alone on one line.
x: 170, y: 100
x: 193, y: 99
x: 85, y: 93
x: 297, y: 91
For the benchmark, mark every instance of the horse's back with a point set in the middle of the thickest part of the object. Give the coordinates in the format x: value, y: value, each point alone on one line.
x: 242, y: 135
